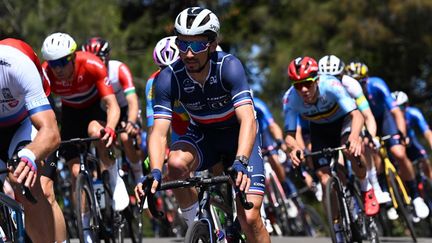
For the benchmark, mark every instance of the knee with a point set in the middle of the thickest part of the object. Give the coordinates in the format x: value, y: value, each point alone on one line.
x: 93, y: 129
x: 177, y: 168
x: 252, y: 219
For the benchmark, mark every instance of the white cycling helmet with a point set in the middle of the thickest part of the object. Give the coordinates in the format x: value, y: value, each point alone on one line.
x: 330, y: 65
x: 400, y: 97
x: 197, y: 21
x: 58, y: 45
x: 166, y: 52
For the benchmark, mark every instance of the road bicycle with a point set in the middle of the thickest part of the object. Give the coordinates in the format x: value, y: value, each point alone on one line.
x: 94, y: 198
x: 344, y: 199
x: 398, y: 192
x: 216, y: 218
x: 11, y: 212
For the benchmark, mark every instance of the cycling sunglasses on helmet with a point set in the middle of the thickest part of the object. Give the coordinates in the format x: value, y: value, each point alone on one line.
x: 61, y: 62
x: 304, y: 83
x: 195, y: 46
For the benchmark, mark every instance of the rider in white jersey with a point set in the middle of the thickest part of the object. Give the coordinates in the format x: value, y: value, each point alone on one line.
x: 332, y: 65
x: 28, y: 128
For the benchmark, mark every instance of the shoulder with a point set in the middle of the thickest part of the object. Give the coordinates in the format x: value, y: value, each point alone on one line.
x: 413, y: 111
x: 114, y: 64
x: 89, y: 61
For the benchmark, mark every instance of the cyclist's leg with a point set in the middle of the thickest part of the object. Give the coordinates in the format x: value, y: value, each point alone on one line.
x: 35, y: 213
x: 185, y: 157
x: 47, y: 183
x: 132, y: 156
x: 359, y: 168
x: 269, y: 145
x: 120, y: 194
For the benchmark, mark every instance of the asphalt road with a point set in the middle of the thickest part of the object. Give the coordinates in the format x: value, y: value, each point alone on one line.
x: 287, y: 239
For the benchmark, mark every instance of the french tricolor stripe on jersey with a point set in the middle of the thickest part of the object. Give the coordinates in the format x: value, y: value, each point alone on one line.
x: 242, y: 98
x: 165, y: 113
x: 15, y: 118
x: 214, y: 118
x: 81, y: 98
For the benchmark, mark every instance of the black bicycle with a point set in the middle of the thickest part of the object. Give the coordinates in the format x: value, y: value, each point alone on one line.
x: 94, y: 198
x: 216, y: 215
x: 344, y: 199
x: 11, y: 212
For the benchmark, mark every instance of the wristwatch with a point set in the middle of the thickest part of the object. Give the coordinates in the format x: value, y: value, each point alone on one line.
x: 243, y: 159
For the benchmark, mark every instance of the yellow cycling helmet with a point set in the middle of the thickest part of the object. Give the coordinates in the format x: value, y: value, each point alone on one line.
x: 357, y: 70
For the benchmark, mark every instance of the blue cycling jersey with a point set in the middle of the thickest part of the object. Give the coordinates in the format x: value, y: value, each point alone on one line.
x: 379, y: 97
x: 263, y: 114
x: 333, y: 103
x: 211, y: 104
x: 415, y: 119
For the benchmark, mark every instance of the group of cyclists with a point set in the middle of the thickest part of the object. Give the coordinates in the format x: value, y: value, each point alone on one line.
x: 200, y: 111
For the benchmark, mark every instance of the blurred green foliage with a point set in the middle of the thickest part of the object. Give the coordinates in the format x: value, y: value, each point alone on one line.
x: 393, y: 37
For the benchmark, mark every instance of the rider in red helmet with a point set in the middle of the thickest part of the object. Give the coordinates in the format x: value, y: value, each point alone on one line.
x: 334, y: 120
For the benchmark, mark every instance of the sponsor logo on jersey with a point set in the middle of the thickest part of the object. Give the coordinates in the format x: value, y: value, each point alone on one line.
x: 212, y: 80
x: 188, y: 86
x: 8, y: 98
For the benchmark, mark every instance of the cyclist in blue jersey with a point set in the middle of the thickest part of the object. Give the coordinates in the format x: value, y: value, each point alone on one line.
x: 212, y: 87
x: 334, y: 120
x: 390, y: 121
x: 415, y: 120
x: 332, y: 65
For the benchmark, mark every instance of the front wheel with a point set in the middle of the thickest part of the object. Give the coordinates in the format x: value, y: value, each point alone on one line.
x: 86, y: 206
x: 402, y: 210
x: 199, y: 232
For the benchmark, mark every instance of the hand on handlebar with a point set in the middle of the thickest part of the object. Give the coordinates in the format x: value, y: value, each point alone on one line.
x: 26, y: 170
x: 242, y: 180
x: 130, y: 128
x: 108, y: 136
x: 354, y: 145
x: 155, y: 178
x: 296, y: 156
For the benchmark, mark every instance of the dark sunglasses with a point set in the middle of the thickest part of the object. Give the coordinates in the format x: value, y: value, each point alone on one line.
x: 305, y: 83
x: 195, y: 46
x: 60, y: 62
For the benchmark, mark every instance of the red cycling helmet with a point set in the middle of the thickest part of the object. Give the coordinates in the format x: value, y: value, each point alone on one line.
x: 302, y: 68
x: 97, y: 46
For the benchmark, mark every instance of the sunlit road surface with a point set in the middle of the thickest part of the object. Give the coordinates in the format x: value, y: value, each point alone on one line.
x: 287, y: 240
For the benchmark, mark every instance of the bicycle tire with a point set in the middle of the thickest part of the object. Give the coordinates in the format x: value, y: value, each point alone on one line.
x: 281, y: 210
x: 401, y: 205
x: 135, y: 225
x: 83, y: 189
x: 199, y: 231
x: 345, y: 223
x: 312, y: 222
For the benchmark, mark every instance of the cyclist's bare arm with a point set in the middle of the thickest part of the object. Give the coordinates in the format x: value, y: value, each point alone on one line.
x: 428, y: 135
x: 113, y: 115
x: 400, y: 120
x: 132, y: 100
x: 246, y: 118
x: 48, y: 137
x: 158, y: 142
x: 277, y: 133
x: 357, y: 122
x: 370, y: 122
x: 46, y: 141
x: 292, y: 144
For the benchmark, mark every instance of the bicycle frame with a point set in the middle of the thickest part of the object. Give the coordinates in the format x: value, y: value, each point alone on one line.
x: 388, y: 166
